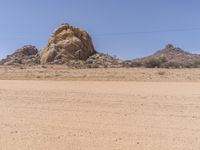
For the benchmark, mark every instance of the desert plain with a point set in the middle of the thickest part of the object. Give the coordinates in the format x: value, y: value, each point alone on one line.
x: 57, y: 108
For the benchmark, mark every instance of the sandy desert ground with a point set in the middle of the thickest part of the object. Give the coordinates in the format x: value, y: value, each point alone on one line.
x: 100, y: 115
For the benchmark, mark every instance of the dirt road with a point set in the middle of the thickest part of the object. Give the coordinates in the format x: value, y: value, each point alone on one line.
x: 89, y: 115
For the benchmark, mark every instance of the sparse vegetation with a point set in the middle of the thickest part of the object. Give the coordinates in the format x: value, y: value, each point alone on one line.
x: 172, y: 64
x: 155, y: 62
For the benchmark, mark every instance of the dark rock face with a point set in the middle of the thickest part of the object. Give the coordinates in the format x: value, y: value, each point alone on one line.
x: 26, y: 55
x: 67, y: 43
x: 27, y: 50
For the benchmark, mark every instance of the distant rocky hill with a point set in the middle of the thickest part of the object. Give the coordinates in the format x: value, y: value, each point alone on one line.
x: 168, y: 57
x: 72, y: 46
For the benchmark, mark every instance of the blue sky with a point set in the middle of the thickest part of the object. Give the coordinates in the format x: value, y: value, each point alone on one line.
x: 125, y: 28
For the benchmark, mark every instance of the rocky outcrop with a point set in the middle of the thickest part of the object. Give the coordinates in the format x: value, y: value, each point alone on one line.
x: 67, y: 43
x: 97, y: 60
x: 26, y: 55
x: 101, y: 60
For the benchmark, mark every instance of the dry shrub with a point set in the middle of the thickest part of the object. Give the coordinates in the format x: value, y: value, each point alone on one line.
x: 161, y: 73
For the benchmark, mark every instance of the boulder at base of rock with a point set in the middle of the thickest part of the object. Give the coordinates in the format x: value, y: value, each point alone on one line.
x: 101, y: 60
x: 67, y: 43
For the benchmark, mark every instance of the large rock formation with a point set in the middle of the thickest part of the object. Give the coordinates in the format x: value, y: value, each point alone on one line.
x: 67, y: 43
x: 27, y: 55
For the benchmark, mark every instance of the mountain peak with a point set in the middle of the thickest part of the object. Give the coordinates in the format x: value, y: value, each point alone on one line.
x: 169, y: 46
